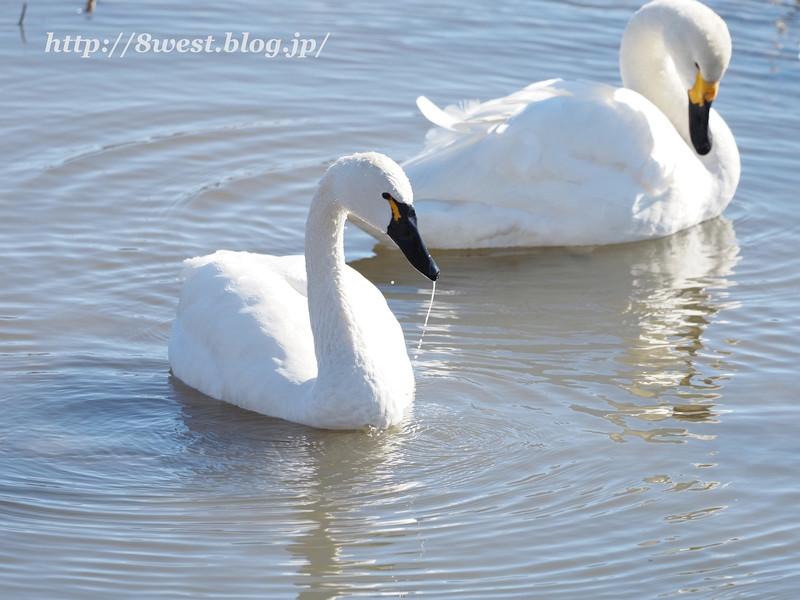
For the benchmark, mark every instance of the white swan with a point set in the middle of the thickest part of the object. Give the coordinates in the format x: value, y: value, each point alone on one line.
x: 306, y: 339
x: 574, y: 163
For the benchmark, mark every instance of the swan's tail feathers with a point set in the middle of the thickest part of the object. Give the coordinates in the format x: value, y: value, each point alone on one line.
x: 436, y: 115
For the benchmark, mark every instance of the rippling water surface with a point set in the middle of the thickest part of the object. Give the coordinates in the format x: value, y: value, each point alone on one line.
x: 608, y: 422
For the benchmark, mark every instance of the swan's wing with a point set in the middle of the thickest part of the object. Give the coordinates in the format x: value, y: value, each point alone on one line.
x: 584, y: 159
x: 565, y: 144
x: 500, y: 110
x: 479, y: 117
x: 242, y: 331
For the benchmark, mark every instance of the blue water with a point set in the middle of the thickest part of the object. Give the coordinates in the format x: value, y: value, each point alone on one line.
x: 620, y: 422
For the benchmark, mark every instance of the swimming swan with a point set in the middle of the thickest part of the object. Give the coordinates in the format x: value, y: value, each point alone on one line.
x: 306, y: 339
x: 584, y: 163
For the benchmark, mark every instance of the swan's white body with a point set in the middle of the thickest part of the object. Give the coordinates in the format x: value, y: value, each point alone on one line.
x: 306, y: 339
x: 582, y: 163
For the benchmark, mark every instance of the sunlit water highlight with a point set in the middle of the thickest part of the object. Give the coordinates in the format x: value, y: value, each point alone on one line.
x: 614, y: 422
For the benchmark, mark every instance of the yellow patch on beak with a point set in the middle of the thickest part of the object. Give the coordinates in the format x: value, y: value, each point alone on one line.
x: 703, y: 91
x: 395, y: 210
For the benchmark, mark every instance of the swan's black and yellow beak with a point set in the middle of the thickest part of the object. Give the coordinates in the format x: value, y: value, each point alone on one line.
x: 700, y: 98
x: 403, y: 230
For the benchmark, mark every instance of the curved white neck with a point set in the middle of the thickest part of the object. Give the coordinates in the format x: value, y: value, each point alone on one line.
x: 647, y: 66
x: 338, y: 343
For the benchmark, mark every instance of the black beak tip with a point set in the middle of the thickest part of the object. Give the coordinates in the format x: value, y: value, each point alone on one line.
x: 423, y: 262
x: 698, y: 127
x: 703, y: 149
x: 433, y: 271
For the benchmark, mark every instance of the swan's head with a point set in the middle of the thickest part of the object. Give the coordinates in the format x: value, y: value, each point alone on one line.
x: 701, y: 50
x: 374, y: 188
x: 697, y: 44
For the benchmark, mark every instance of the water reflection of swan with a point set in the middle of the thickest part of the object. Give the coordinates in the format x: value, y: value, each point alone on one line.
x: 678, y: 289
x: 631, y: 317
x: 344, y: 516
x: 328, y: 491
